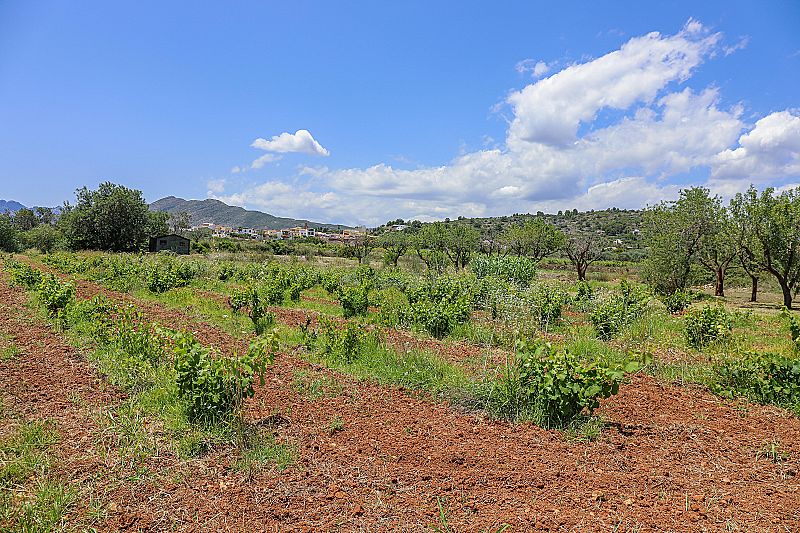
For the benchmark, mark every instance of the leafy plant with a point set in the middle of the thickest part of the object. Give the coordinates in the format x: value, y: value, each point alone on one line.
x: 677, y: 301
x: 22, y: 274
x: 706, y: 325
x: 213, y: 387
x: 545, y: 304
x: 553, y: 387
x: 55, y: 295
x: 766, y: 378
x: 612, y: 314
x: 342, y: 342
x: 794, y: 328
x: 520, y: 270
x: 354, y: 300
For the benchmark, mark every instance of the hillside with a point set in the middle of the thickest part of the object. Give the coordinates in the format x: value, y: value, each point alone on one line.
x: 10, y: 205
x: 228, y: 215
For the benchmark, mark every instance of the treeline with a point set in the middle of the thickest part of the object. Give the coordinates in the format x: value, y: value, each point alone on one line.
x: 112, y: 218
x: 758, y: 232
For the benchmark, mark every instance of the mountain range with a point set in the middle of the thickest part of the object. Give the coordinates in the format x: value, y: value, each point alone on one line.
x: 10, y: 205
x: 227, y: 215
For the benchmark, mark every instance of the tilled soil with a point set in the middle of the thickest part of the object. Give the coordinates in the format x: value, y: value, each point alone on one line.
x: 669, y: 459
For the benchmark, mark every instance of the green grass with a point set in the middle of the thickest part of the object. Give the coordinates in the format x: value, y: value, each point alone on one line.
x: 30, y: 500
x: 261, y: 450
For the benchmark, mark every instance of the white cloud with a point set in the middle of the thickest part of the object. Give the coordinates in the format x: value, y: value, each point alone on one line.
x: 551, y: 110
x: 301, y: 141
x: 215, y: 186
x: 536, y: 68
x: 771, y: 150
x: 264, y: 159
x: 558, y: 154
x: 236, y: 170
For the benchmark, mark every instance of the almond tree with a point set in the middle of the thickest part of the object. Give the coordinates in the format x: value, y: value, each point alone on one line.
x: 583, y: 249
x: 774, y: 223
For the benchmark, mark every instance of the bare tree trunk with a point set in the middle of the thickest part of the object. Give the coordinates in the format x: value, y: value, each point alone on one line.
x: 719, y: 287
x: 754, y: 288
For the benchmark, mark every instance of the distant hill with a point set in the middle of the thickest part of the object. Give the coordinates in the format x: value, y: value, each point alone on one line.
x: 10, y: 205
x: 228, y: 215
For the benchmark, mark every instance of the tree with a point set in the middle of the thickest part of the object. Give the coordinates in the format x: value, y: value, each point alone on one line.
x: 535, y: 238
x: 460, y: 241
x: 748, y: 243
x: 9, y: 235
x: 359, y: 246
x: 112, y: 218
x: 429, y: 243
x: 395, y: 245
x: 673, y: 232
x: 43, y: 237
x: 180, y: 222
x: 718, y: 245
x: 775, y: 226
x: 25, y: 219
x: 45, y: 215
x: 583, y: 248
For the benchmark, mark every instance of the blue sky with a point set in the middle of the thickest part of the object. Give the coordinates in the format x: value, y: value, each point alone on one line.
x: 366, y: 111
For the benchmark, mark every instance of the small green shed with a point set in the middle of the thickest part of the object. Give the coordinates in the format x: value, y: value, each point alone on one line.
x: 171, y: 242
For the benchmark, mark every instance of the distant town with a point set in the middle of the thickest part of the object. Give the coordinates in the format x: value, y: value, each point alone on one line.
x: 297, y: 232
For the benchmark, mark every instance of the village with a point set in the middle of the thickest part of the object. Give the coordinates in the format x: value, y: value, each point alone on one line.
x: 297, y: 232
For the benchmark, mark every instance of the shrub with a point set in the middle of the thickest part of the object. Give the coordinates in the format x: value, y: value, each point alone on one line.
x: 253, y: 302
x: 342, y: 342
x: 491, y: 295
x: 706, y: 325
x: 609, y: 316
x: 437, y: 318
x: 214, y: 387
x: 545, y: 304
x: 794, y: 328
x: 677, y: 301
x: 55, y: 295
x: 553, y: 387
x: 391, y: 303
x: 226, y: 271
x: 23, y: 275
x: 520, y: 270
x: 764, y: 378
x: 137, y: 338
x: 354, y: 300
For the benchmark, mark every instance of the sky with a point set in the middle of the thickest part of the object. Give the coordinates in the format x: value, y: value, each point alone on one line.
x: 364, y: 112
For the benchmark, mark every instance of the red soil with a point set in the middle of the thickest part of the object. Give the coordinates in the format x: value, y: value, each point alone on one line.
x: 670, y: 458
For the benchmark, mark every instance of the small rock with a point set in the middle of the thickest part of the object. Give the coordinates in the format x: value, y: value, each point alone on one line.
x: 358, y: 510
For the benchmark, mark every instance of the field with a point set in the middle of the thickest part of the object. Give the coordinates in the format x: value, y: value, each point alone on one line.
x: 249, y: 393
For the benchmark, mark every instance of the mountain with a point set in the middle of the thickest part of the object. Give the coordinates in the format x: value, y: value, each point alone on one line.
x: 228, y: 215
x: 10, y: 205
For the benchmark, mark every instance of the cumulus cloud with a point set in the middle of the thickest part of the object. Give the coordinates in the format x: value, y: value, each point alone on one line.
x: 215, y: 186
x: 300, y: 141
x: 771, y: 150
x: 264, y: 159
x: 610, y: 131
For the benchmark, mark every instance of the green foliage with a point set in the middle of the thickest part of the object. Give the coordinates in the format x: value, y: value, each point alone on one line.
x: 520, y: 270
x: 254, y: 303
x: 391, y: 304
x: 23, y: 275
x: 545, y: 304
x: 168, y: 273
x: 354, y: 300
x: 343, y: 342
x: 553, y: 387
x: 111, y: 218
x: 612, y: 314
x: 213, y: 387
x: 794, y: 328
x: 766, y: 378
x: 677, y: 301
x: 9, y: 234
x: 706, y: 325
x: 535, y: 238
x: 55, y: 295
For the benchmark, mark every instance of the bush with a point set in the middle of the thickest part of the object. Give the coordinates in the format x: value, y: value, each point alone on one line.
x: 437, y: 318
x: 55, y: 295
x: 520, y: 270
x: 609, y: 316
x: 545, y: 304
x: 214, y: 387
x: 23, y: 275
x: 354, y: 300
x: 764, y: 378
x: 706, y: 325
x: 794, y: 328
x: 677, y: 301
x: 552, y: 387
x: 391, y: 303
x: 254, y: 303
x: 342, y: 342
